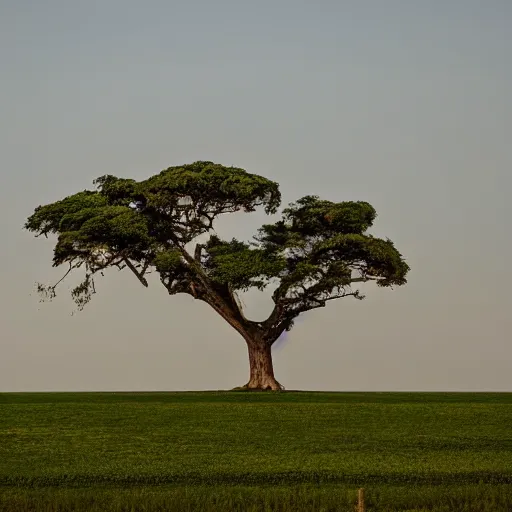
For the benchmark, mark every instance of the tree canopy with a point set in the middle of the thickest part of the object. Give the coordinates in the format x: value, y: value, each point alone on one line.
x: 315, y: 253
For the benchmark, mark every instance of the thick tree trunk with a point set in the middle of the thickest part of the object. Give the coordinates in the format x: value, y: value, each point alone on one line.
x: 261, y: 368
x: 260, y: 353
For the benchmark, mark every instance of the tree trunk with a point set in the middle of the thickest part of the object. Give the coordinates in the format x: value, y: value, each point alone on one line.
x: 261, y: 368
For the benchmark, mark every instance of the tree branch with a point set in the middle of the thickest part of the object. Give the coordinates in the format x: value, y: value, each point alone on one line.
x: 175, y: 286
x: 48, y: 291
x: 364, y: 279
x: 71, y: 267
x: 282, y: 317
x: 140, y: 275
x: 237, y: 304
x: 339, y: 296
x: 198, y: 251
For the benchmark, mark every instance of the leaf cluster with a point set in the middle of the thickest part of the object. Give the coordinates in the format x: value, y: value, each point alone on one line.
x: 241, y: 265
x: 147, y: 224
x: 314, y: 253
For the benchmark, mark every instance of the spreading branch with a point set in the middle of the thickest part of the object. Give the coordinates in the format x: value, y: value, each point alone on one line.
x: 313, y: 255
x: 139, y: 275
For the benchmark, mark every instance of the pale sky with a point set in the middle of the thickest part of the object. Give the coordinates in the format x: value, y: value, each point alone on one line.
x: 406, y: 104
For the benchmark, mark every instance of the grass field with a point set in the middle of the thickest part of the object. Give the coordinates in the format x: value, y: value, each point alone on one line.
x: 255, y: 451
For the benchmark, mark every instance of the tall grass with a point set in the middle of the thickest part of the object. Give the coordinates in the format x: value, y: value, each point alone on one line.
x: 328, y: 498
x: 255, y: 451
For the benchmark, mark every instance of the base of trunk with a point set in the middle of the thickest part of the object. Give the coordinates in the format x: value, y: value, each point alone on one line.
x: 261, y: 376
x: 268, y: 385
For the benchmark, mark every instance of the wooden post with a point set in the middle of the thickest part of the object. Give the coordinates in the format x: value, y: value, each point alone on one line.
x: 360, y: 501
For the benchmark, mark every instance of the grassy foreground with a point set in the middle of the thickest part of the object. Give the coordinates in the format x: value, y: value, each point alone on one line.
x: 290, y: 451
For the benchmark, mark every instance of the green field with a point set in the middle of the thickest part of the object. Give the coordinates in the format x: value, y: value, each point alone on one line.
x: 255, y: 451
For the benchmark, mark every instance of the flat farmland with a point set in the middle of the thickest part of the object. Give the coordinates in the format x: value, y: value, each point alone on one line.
x: 245, y: 451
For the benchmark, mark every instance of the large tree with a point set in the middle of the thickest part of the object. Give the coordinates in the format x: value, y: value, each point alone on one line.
x: 317, y: 252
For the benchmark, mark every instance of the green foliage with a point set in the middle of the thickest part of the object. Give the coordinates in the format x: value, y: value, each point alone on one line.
x: 174, y: 271
x: 327, y: 249
x: 47, y: 219
x: 119, y: 229
x: 315, y: 253
x: 239, y: 265
x: 213, y: 188
x: 169, y: 261
x: 146, y: 224
x: 310, y: 216
x: 408, y: 450
x: 83, y: 292
x: 372, y: 256
x: 118, y: 191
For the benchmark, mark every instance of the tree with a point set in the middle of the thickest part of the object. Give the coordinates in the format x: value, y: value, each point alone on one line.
x: 316, y: 253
